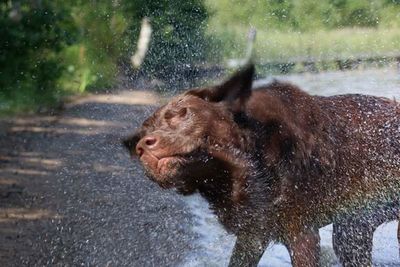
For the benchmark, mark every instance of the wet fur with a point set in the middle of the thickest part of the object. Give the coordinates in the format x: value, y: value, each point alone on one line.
x: 276, y: 164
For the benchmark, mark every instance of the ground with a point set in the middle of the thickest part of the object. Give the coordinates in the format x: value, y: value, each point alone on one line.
x: 70, y: 195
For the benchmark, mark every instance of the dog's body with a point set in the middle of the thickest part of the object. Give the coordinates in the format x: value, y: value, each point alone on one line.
x: 276, y: 164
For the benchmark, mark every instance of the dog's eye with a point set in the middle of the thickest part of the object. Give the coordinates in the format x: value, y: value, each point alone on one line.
x: 171, y: 114
x: 168, y: 115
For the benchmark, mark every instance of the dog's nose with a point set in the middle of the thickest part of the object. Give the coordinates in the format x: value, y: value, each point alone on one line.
x: 148, y: 142
x: 139, y: 150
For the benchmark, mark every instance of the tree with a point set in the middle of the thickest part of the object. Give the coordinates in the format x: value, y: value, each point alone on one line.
x: 32, y: 33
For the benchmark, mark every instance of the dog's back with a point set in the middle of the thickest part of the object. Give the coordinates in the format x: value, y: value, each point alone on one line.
x: 338, y: 161
x: 346, y: 153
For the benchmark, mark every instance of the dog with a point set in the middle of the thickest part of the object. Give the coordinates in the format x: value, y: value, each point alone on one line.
x: 276, y: 164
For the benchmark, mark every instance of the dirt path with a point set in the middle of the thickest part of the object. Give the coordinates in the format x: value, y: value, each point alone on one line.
x: 70, y: 196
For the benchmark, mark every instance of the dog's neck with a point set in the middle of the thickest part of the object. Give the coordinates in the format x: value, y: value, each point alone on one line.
x: 234, y: 194
x: 220, y: 191
x: 217, y: 186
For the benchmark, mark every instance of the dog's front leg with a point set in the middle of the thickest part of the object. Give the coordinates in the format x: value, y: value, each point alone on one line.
x: 304, y: 249
x: 248, y: 250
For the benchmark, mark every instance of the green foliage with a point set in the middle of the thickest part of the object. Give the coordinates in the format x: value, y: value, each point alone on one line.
x: 303, y: 15
x: 33, y: 34
x: 347, y: 43
x: 288, y: 29
x: 50, y: 48
x: 92, y: 64
x: 178, y: 39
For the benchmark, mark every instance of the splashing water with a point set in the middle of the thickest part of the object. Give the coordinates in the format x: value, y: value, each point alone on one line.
x: 213, y: 245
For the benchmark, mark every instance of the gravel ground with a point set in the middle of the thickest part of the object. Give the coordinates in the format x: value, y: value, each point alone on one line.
x: 70, y: 195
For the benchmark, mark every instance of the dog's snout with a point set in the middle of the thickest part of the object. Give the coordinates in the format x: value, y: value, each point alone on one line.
x: 147, y: 142
x: 139, y: 150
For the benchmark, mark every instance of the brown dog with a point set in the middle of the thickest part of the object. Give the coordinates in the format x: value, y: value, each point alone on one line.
x: 276, y: 164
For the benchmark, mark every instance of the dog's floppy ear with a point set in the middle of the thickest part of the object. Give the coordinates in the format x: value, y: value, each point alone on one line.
x: 237, y: 87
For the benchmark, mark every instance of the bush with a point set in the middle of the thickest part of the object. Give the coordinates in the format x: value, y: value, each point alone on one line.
x: 103, y: 42
x: 33, y: 34
x: 178, y: 40
x: 53, y: 47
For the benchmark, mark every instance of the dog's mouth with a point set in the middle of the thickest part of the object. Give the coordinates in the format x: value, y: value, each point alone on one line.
x: 183, y: 172
x: 166, y: 170
x: 171, y: 164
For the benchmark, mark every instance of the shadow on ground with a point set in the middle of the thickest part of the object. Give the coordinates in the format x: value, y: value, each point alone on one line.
x: 70, y: 195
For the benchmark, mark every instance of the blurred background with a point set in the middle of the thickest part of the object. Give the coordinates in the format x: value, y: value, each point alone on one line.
x: 51, y: 49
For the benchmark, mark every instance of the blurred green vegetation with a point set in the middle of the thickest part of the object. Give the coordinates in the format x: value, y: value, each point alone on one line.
x: 32, y: 38
x: 319, y: 45
x: 178, y: 40
x: 305, y: 15
x: 325, y: 29
x: 52, y: 48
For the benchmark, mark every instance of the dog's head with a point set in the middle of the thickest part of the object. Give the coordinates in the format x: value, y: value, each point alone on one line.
x: 194, y: 136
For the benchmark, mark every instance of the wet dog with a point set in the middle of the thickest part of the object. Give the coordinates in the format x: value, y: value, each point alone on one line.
x: 276, y: 164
